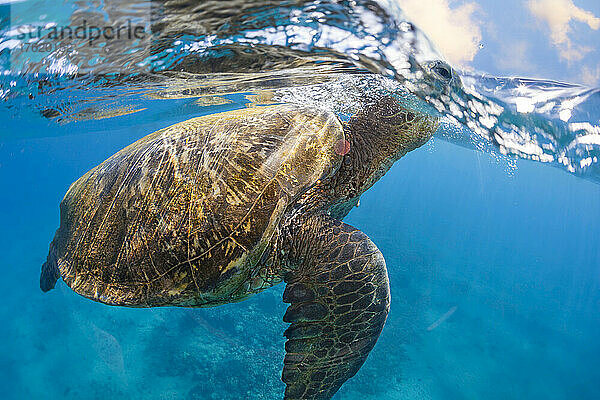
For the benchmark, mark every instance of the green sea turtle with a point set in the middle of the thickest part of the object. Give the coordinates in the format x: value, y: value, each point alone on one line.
x: 214, y: 209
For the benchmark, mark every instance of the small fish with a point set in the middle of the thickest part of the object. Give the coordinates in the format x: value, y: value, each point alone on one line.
x: 442, y: 319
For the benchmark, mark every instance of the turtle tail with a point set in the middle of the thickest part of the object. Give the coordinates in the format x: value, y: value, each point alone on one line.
x: 50, y: 272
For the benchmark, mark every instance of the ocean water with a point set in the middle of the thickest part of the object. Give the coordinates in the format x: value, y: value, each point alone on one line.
x: 490, y: 231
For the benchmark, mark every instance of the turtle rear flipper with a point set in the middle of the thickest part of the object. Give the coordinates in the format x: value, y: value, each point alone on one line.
x: 50, y: 273
x: 339, y: 299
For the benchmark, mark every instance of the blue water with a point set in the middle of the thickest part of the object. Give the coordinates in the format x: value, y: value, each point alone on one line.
x: 518, y: 254
x: 494, y: 266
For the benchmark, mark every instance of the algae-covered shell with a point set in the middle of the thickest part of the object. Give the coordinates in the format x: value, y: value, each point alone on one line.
x: 183, y: 215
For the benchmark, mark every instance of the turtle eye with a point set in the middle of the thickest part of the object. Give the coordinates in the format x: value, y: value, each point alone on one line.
x: 443, y: 70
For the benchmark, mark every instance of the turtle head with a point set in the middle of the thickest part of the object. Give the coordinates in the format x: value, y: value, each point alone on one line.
x: 394, y: 127
x: 382, y: 132
x: 439, y: 78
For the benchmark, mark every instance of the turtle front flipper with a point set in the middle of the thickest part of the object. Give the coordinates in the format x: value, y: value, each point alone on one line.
x: 339, y: 295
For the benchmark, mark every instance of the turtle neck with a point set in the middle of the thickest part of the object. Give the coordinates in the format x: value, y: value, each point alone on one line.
x: 378, y: 136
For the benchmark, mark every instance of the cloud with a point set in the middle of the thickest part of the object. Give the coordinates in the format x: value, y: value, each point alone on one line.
x: 590, y: 76
x: 514, y: 57
x: 455, y: 31
x: 558, y: 15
